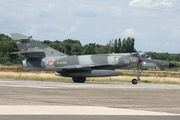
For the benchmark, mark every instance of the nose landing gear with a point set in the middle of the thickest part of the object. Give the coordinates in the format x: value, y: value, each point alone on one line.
x: 135, y: 81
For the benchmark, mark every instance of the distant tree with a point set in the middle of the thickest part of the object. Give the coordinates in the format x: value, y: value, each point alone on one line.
x: 101, y: 49
x: 119, y: 46
x: 124, y: 46
x: 116, y: 46
x: 76, y: 49
x: 130, y: 44
x: 68, y: 46
x: 89, y: 49
x: 72, y: 47
x: 7, y: 45
x: 127, y: 45
x: 109, y: 46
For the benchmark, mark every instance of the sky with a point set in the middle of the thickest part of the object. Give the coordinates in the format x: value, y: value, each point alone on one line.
x: 155, y: 24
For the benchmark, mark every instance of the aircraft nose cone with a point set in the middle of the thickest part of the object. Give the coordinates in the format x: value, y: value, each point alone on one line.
x: 172, y: 65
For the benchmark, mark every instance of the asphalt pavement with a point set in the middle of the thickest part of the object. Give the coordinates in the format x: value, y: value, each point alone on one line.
x: 22, y: 99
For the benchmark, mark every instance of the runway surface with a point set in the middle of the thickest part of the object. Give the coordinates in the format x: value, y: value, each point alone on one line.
x: 88, y: 100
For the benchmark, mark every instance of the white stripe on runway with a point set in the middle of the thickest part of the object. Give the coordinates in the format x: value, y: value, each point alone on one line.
x: 72, y: 110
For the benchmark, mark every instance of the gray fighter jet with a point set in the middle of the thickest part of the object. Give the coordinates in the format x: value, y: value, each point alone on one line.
x: 40, y: 57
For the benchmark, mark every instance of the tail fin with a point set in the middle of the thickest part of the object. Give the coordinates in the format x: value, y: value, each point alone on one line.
x: 33, y: 48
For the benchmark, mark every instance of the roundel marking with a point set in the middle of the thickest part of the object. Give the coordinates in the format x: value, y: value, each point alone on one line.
x: 50, y: 63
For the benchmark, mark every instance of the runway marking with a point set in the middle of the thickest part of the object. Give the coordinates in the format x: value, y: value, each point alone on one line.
x: 73, y: 110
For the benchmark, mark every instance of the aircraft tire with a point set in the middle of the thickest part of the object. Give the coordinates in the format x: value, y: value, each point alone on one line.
x: 75, y: 79
x: 134, y: 81
x: 81, y: 79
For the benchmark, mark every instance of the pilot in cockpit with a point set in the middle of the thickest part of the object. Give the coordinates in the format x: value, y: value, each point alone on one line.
x: 144, y: 55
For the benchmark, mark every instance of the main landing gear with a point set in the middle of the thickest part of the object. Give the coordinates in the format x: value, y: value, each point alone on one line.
x: 135, y: 81
x: 79, y: 79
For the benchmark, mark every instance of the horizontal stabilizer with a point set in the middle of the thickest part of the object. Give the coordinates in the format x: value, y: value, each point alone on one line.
x: 30, y: 54
x: 27, y: 52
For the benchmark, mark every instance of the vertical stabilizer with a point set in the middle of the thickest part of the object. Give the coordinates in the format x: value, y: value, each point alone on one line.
x: 26, y: 45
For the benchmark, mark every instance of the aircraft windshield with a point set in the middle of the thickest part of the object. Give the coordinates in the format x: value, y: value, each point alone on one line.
x: 141, y: 55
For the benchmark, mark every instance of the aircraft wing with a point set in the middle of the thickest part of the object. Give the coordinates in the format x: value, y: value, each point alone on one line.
x: 82, y: 67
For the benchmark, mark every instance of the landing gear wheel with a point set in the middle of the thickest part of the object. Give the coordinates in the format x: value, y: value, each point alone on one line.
x: 79, y: 79
x: 82, y: 79
x: 75, y: 79
x: 134, y: 81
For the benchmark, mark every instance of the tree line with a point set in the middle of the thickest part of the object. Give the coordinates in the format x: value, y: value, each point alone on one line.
x: 74, y: 47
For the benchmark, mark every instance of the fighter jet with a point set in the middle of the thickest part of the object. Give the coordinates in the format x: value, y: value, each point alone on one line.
x: 39, y: 57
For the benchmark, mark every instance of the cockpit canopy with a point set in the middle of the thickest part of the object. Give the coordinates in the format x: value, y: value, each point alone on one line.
x: 141, y: 55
